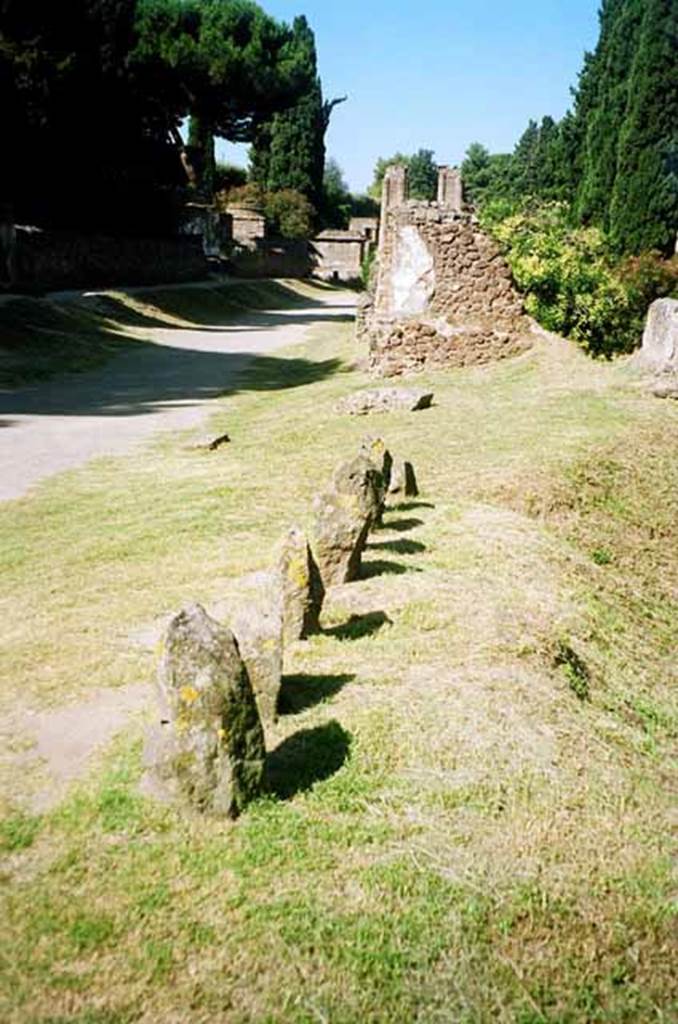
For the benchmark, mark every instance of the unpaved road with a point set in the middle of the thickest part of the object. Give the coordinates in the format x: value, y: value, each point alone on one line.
x: 60, y: 424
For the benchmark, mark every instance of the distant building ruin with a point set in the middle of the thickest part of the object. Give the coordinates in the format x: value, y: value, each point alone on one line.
x: 339, y: 254
x: 443, y: 293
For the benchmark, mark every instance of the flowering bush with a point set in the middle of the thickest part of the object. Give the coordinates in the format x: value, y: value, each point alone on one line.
x: 572, y: 283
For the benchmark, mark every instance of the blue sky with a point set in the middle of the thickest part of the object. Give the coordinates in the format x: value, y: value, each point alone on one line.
x: 439, y: 74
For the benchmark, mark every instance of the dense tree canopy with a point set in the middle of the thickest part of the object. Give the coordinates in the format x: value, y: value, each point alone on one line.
x: 289, y: 148
x: 614, y: 156
x: 643, y: 212
x: 97, y: 91
x: 76, y: 136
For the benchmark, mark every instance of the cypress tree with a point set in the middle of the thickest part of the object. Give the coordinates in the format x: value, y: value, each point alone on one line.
x: 289, y: 149
x: 525, y: 161
x: 644, y: 205
x: 607, y: 101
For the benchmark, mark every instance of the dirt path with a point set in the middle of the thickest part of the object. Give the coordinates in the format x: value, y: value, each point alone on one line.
x: 61, y: 424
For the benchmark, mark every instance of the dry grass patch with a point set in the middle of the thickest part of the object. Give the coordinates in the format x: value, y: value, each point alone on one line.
x: 457, y: 829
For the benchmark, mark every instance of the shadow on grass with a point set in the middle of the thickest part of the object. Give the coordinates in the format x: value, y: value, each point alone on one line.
x: 307, y: 757
x: 45, y: 338
x: 409, y: 506
x: 403, y: 525
x: 380, y: 567
x: 268, y: 373
x: 359, y: 626
x: 398, y: 547
x: 204, y: 311
x: 303, y: 691
x: 196, y: 303
x: 154, y: 377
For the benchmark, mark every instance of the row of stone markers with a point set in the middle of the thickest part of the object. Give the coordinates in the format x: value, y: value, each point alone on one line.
x: 217, y: 683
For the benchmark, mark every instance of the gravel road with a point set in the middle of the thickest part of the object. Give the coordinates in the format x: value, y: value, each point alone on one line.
x: 168, y: 385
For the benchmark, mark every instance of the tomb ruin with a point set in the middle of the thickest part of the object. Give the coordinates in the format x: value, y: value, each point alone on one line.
x: 443, y: 293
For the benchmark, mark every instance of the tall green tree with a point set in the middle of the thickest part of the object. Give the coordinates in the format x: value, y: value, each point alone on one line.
x: 422, y: 173
x: 336, y: 205
x: 643, y: 212
x: 225, y: 63
x: 486, y: 176
x: 289, y: 149
x: 620, y: 22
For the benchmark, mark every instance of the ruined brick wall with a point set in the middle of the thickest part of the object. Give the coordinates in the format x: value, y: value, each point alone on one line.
x: 444, y: 294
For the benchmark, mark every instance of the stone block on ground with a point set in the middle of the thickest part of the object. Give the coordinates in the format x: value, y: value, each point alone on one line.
x: 344, y: 515
x: 258, y: 629
x: 212, y: 746
x: 404, y: 480
x: 665, y: 386
x: 374, y: 449
x: 659, y: 351
x: 362, y: 403
x: 301, y: 587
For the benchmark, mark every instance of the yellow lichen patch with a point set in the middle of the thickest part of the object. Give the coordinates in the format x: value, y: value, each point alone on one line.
x: 297, y: 571
x: 188, y: 694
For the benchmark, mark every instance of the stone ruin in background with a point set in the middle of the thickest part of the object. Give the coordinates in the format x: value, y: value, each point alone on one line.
x: 443, y: 294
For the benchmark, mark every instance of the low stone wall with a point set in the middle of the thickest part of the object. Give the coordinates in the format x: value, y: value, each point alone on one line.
x: 272, y: 258
x: 50, y: 260
x: 407, y: 346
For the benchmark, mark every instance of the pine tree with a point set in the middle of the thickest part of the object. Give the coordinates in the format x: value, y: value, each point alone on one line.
x: 644, y: 205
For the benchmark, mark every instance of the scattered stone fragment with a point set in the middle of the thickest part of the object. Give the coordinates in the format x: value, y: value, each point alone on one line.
x: 301, y: 588
x: 344, y: 515
x: 210, y: 443
x: 404, y: 480
x: 385, y: 400
x: 665, y: 387
x: 659, y: 351
x: 212, y: 746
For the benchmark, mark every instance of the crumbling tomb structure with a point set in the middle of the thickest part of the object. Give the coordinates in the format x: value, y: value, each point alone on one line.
x: 443, y: 294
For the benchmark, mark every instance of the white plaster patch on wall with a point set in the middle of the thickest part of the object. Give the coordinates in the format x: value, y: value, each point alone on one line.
x: 413, y: 276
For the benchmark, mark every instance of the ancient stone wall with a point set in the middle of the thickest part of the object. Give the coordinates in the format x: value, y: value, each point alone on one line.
x: 444, y: 294
x: 63, y: 259
x: 272, y: 257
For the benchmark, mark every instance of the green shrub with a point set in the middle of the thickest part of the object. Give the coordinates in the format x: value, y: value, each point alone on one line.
x: 572, y: 282
x: 289, y: 213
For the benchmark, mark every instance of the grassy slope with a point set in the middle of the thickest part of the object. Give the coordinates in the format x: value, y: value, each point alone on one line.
x: 40, y: 337
x: 470, y: 785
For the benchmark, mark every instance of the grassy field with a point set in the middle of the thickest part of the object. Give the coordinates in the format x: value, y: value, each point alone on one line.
x: 470, y: 787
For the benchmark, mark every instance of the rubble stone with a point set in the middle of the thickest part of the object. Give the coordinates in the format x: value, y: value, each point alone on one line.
x: 361, y: 403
